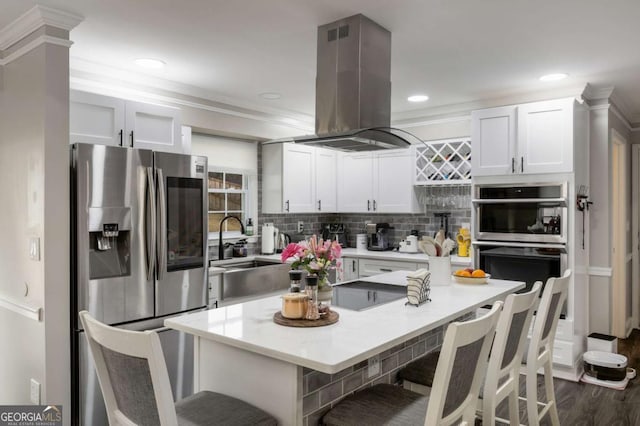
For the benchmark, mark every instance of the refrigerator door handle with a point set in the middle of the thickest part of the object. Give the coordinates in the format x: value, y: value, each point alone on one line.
x: 151, y: 225
x: 162, y: 225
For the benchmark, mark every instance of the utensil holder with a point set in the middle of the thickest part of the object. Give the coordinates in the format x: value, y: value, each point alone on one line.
x: 440, y: 268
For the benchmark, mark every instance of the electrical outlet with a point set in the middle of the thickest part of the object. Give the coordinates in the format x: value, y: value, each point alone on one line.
x: 300, y: 227
x: 374, y: 367
x: 34, y: 394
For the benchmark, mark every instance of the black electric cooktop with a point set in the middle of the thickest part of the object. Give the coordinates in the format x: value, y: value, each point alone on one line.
x: 360, y: 295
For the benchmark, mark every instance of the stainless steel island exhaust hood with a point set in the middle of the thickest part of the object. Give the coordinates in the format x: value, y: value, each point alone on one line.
x: 353, y: 89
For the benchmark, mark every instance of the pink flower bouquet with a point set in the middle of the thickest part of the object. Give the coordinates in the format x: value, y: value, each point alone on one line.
x: 315, y: 256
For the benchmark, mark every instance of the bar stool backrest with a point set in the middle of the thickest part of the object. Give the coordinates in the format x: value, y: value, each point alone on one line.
x: 544, y: 327
x: 132, y: 374
x: 506, y: 353
x: 461, y: 367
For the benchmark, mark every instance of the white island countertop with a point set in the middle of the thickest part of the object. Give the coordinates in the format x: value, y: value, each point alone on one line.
x: 357, y: 335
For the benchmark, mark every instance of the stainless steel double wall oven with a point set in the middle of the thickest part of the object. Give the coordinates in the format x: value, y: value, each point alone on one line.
x: 520, y: 231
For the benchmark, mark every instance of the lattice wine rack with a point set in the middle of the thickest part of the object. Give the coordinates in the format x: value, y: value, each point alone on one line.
x: 443, y: 162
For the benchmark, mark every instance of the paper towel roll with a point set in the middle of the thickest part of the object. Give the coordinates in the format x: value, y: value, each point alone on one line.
x: 440, y: 268
x: 268, y: 238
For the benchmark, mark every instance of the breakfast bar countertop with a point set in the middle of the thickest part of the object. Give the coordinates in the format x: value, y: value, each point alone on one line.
x: 355, y: 337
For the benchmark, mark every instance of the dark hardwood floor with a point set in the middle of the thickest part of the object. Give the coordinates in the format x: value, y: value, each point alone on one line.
x: 584, y: 404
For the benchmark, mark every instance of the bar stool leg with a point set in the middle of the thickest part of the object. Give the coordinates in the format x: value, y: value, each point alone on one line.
x: 551, y: 397
x: 514, y: 411
x: 532, y: 396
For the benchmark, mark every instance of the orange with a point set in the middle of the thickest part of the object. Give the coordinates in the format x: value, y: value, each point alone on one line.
x: 478, y: 273
x: 464, y: 273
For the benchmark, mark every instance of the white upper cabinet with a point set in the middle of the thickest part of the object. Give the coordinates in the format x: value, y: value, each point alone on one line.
x: 355, y: 182
x: 298, y: 179
x: 393, y: 190
x: 153, y: 127
x: 96, y: 119
x: 379, y: 182
x: 493, y: 141
x: 326, y: 180
x: 545, y: 136
x: 111, y: 121
x: 524, y: 139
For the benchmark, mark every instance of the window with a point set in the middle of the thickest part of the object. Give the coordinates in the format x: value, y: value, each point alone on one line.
x: 227, y: 196
x: 233, y: 181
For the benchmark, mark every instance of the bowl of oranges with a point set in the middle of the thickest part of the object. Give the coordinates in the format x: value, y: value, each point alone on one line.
x: 471, y: 276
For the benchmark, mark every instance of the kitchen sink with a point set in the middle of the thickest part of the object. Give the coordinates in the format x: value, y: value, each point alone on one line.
x: 250, y: 264
x: 252, y: 278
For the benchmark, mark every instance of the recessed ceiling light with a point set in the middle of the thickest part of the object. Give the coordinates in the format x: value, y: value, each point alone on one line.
x: 150, y: 63
x: 418, y: 98
x: 272, y: 96
x: 554, y: 77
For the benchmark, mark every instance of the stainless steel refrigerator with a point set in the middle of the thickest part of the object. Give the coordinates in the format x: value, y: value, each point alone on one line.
x: 139, y: 256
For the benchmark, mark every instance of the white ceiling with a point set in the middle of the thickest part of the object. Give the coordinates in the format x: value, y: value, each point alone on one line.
x: 456, y: 51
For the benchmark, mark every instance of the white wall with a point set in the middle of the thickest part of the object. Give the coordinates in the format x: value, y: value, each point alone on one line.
x: 225, y: 152
x: 34, y: 180
x: 440, y: 128
x: 603, y: 120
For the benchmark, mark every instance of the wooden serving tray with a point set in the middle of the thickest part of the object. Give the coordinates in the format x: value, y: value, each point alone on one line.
x: 332, y: 318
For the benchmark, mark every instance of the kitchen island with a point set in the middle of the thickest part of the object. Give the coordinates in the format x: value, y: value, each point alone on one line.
x: 296, y: 373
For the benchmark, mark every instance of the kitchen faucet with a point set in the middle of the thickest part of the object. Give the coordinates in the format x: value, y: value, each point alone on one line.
x: 220, y: 244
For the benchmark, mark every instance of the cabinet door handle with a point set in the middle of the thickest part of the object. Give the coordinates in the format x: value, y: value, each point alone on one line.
x: 286, y: 203
x: 521, y: 164
x: 132, y: 139
x: 319, y: 205
x: 375, y: 296
x: 375, y: 205
x: 386, y: 270
x: 368, y: 294
x: 353, y: 265
x: 368, y: 205
x: 513, y: 165
x: 121, y: 134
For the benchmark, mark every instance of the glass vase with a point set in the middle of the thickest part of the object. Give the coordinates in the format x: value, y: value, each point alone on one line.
x: 325, y: 294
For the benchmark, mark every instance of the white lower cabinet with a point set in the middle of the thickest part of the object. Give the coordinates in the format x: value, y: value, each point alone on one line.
x: 214, y: 290
x: 349, y: 268
x: 369, y: 267
x: 105, y: 120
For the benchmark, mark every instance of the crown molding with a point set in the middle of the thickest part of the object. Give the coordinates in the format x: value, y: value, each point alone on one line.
x: 33, y: 19
x: 418, y: 123
x: 93, y: 76
x: 592, y: 93
x: 617, y: 105
x: 150, y: 94
x: 465, y: 108
x: 44, y: 39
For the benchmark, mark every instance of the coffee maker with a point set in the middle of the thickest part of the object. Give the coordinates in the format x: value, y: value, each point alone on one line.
x: 379, y: 236
x: 334, y: 231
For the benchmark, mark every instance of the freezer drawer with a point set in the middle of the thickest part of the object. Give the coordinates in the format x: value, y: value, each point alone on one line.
x: 178, y: 353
